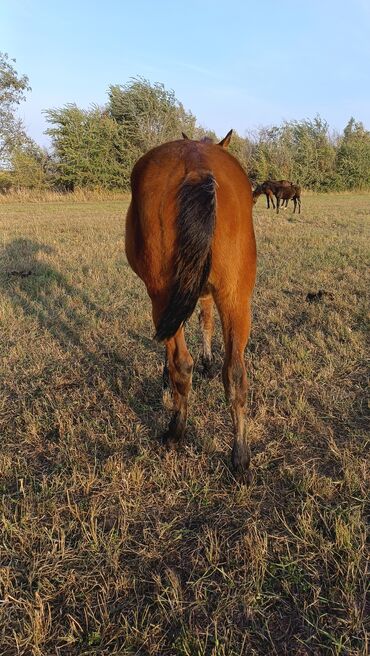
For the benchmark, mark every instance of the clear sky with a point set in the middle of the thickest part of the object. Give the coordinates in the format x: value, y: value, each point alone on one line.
x: 233, y: 63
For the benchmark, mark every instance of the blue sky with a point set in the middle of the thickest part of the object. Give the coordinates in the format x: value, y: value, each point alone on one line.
x: 235, y: 64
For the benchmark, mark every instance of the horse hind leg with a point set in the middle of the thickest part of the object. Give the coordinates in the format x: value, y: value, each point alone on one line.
x: 177, y: 377
x: 236, y: 323
x: 180, y: 369
x: 206, y: 321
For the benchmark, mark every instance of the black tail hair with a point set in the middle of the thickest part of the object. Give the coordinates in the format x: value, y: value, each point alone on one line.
x: 195, y: 227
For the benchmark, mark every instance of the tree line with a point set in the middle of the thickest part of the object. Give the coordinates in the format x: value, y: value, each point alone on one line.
x: 96, y: 148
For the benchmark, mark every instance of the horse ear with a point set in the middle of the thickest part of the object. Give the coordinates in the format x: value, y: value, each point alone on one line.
x: 184, y: 136
x: 226, y: 140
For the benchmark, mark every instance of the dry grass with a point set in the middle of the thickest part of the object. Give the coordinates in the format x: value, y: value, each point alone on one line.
x: 109, y: 545
x: 48, y: 196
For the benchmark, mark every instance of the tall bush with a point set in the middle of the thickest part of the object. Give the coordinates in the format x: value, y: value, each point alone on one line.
x: 353, y: 157
x: 89, y: 148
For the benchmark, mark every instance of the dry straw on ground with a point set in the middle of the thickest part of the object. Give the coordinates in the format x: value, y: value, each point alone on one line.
x: 108, y: 544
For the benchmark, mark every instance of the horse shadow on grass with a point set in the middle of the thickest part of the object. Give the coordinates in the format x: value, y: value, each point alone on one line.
x: 44, y: 294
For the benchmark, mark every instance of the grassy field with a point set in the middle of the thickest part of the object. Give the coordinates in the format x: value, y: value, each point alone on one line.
x: 109, y: 544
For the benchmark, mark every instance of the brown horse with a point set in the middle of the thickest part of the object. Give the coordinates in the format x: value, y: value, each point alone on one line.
x: 189, y: 237
x: 264, y: 188
x: 269, y: 188
x: 293, y: 192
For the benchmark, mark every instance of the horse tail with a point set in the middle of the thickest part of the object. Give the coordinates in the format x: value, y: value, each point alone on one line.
x: 196, y: 218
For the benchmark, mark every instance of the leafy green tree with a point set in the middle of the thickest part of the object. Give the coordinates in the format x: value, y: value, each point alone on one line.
x: 89, y: 148
x: 242, y: 149
x: 6, y: 181
x: 271, y: 156
x: 149, y: 115
x: 12, y: 91
x: 313, y: 153
x: 32, y: 167
x: 353, y: 157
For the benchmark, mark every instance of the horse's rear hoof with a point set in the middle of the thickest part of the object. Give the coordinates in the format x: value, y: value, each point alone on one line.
x: 172, y: 437
x: 209, y: 369
x: 240, y: 460
x: 244, y: 477
x: 169, y: 441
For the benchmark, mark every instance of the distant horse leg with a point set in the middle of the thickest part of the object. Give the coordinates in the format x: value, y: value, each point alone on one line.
x: 299, y: 205
x: 277, y: 204
x: 295, y: 204
x: 270, y: 197
x: 206, y: 322
x: 236, y: 323
x: 180, y: 368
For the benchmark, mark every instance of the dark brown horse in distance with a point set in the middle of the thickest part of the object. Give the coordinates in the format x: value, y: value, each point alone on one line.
x: 269, y: 188
x: 289, y: 193
x: 283, y: 190
x: 189, y: 237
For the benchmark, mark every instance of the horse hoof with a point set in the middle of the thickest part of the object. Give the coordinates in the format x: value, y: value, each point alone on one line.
x: 172, y: 437
x: 240, y: 460
x: 244, y: 477
x: 209, y: 369
x: 168, y: 441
